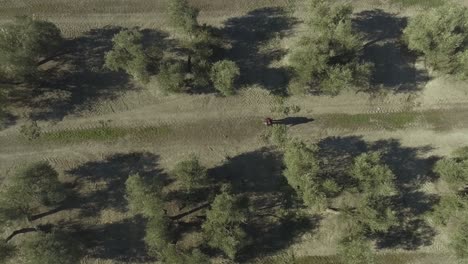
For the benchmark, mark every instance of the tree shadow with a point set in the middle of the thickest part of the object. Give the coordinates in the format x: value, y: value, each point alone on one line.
x: 119, y: 241
x: 7, y: 119
x: 278, y: 234
x: 409, y: 235
x: 411, y: 170
x: 103, y: 182
x: 256, y: 171
x: 395, y: 68
x: 293, y: 120
x: 248, y: 35
x: 258, y: 176
x: 76, y: 79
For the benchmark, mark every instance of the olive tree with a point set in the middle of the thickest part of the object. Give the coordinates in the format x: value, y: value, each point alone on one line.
x: 373, y: 176
x: 223, y: 75
x: 31, y: 130
x: 171, y: 77
x: 190, y: 173
x: 441, y: 34
x: 24, y: 45
x: 223, y: 227
x: 144, y: 196
x: 31, y: 188
x: 128, y: 54
x: 326, y: 58
x: 376, y: 213
x: 301, y: 172
x: 157, y: 235
x: 376, y: 183
x: 183, y: 16
x: 51, y: 248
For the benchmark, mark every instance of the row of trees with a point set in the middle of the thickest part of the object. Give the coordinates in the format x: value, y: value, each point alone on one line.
x: 222, y: 229
x: 199, y: 44
x: 327, y: 58
x: 372, y: 184
x: 26, y: 44
x: 31, y: 191
x: 371, y: 212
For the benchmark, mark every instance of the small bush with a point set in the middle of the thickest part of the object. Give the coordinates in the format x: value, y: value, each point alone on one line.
x: 53, y: 248
x: 454, y: 172
x: 223, y: 75
x: 128, y: 54
x: 448, y: 207
x: 279, y: 135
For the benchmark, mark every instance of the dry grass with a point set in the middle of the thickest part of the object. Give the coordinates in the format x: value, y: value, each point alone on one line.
x: 77, y: 7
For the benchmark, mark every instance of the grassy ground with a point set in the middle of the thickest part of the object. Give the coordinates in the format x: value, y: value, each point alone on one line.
x: 98, y: 126
x: 438, y: 120
x: 423, y: 3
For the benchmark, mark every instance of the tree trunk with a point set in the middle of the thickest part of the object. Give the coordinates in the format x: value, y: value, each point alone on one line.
x: 179, y: 216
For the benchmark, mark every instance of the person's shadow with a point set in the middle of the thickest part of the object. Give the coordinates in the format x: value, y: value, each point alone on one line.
x: 292, y: 121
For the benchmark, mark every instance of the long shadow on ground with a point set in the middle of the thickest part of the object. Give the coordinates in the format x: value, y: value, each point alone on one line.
x: 77, y: 79
x: 103, y: 181
x: 248, y: 34
x: 102, y: 185
x: 411, y: 171
x: 395, y: 68
x: 117, y: 241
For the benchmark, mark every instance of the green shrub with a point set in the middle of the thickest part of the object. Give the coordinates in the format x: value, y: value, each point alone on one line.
x: 223, y: 225
x: 23, y: 44
x: 373, y: 176
x: 158, y: 235
x: 448, y: 207
x: 223, y: 74
x: 376, y: 212
x: 327, y: 56
x: 441, y: 34
x: 183, y: 16
x: 301, y: 172
x: 144, y: 196
x: 171, y: 77
x: 190, y: 173
x: 459, y: 240
x: 127, y: 54
x: 454, y: 172
x: 30, y: 189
